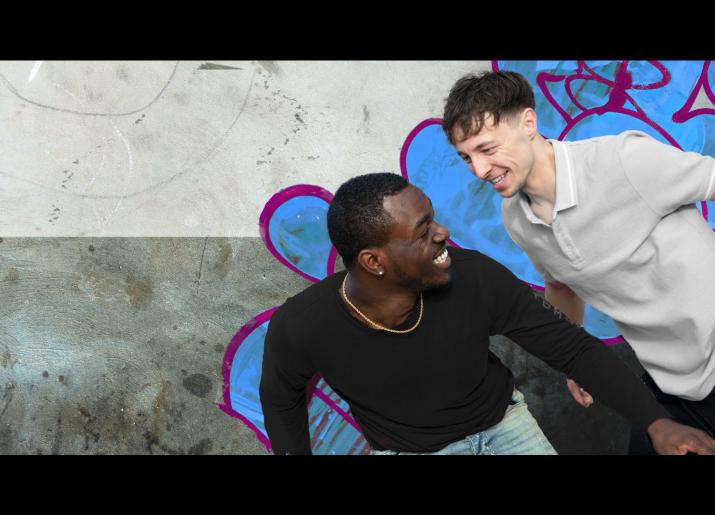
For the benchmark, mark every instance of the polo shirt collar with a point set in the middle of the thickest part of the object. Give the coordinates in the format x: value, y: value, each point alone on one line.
x: 566, y: 195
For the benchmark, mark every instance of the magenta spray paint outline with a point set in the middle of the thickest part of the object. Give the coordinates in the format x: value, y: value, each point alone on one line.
x: 275, y: 202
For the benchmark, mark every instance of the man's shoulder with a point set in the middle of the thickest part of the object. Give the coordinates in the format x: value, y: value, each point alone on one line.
x: 472, y: 259
x: 312, y: 300
x: 459, y: 254
x: 480, y: 270
x: 610, y: 144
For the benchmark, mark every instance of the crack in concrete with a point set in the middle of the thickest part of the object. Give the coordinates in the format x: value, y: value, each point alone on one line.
x: 192, y: 168
x: 201, y: 265
x: 14, y: 91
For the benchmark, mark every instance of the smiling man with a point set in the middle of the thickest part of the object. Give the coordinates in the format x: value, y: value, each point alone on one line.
x: 610, y: 221
x: 403, y: 337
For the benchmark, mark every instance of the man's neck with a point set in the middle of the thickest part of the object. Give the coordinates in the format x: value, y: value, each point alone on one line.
x: 540, y: 186
x: 384, y: 306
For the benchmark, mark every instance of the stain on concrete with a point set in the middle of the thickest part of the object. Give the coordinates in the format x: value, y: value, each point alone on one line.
x: 45, y: 374
x: 139, y: 291
x: 365, y: 114
x: 218, y: 347
x: 88, y: 420
x: 91, y: 248
x: 214, y: 66
x: 122, y: 74
x: 7, y: 360
x: 224, y: 263
x: 203, y: 447
x: 271, y: 67
x: 12, y: 275
x: 198, y: 385
x: 159, y: 405
x: 7, y: 398
x: 62, y: 380
x: 55, y: 213
x: 57, y: 442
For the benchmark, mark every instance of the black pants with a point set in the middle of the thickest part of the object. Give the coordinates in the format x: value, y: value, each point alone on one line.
x: 699, y: 414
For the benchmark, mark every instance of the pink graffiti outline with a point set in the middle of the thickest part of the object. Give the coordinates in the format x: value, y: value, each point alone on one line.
x: 277, y: 200
x: 684, y: 113
x: 229, y: 356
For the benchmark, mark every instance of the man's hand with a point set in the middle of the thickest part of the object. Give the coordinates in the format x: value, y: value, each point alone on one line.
x: 669, y: 437
x: 579, y: 394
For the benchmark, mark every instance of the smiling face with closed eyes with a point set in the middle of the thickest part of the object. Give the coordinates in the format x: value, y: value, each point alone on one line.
x: 416, y: 251
x: 501, y: 154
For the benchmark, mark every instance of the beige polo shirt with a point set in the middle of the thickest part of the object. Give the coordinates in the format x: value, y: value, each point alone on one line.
x: 627, y: 238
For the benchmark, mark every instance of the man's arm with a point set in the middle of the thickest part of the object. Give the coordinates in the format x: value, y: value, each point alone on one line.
x: 565, y: 300
x: 664, y: 176
x: 284, y: 377
x: 528, y: 320
x: 570, y: 304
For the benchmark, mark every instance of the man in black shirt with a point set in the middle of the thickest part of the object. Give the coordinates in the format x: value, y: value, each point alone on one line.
x: 403, y: 338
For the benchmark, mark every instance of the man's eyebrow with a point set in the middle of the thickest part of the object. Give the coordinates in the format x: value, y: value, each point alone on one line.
x: 483, y: 144
x: 479, y: 147
x: 422, y: 221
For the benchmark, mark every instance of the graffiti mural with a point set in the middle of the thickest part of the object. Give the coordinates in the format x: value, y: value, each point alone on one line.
x: 574, y: 100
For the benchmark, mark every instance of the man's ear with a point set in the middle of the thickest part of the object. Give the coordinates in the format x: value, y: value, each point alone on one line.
x: 528, y: 122
x: 372, y: 260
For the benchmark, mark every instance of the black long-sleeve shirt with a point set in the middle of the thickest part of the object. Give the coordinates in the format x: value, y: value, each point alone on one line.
x: 422, y: 390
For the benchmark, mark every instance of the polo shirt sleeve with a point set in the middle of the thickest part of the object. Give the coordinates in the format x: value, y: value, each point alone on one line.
x: 284, y: 377
x: 665, y: 176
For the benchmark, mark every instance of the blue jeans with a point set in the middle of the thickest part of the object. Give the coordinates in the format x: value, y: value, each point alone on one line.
x: 517, y: 433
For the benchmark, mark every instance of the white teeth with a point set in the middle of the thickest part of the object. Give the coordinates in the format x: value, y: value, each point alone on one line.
x: 442, y: 257
x: 498, y: 179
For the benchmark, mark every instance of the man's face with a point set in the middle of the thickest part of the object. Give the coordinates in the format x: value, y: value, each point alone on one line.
x: 501, y: 154
x: 417, y: 257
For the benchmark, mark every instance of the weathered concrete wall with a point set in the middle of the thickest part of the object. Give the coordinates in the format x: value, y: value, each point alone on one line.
x: 114, y: 345
x: 196, y: 148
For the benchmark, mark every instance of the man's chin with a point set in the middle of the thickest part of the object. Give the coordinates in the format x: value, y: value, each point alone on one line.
x: 443, y: 284
x: 508, y: 193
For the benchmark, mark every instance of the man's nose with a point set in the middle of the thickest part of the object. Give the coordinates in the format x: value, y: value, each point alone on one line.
x: 480, y: 168
x: 441, y: 233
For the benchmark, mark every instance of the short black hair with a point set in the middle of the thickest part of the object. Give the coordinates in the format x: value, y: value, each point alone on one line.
x: 473, y: 96
x: 356, y: 217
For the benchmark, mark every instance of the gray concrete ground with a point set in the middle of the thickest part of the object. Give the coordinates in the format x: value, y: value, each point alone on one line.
x: 114, y: 346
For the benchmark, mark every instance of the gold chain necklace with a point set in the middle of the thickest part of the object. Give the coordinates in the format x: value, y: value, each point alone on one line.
x: 375, y: 324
